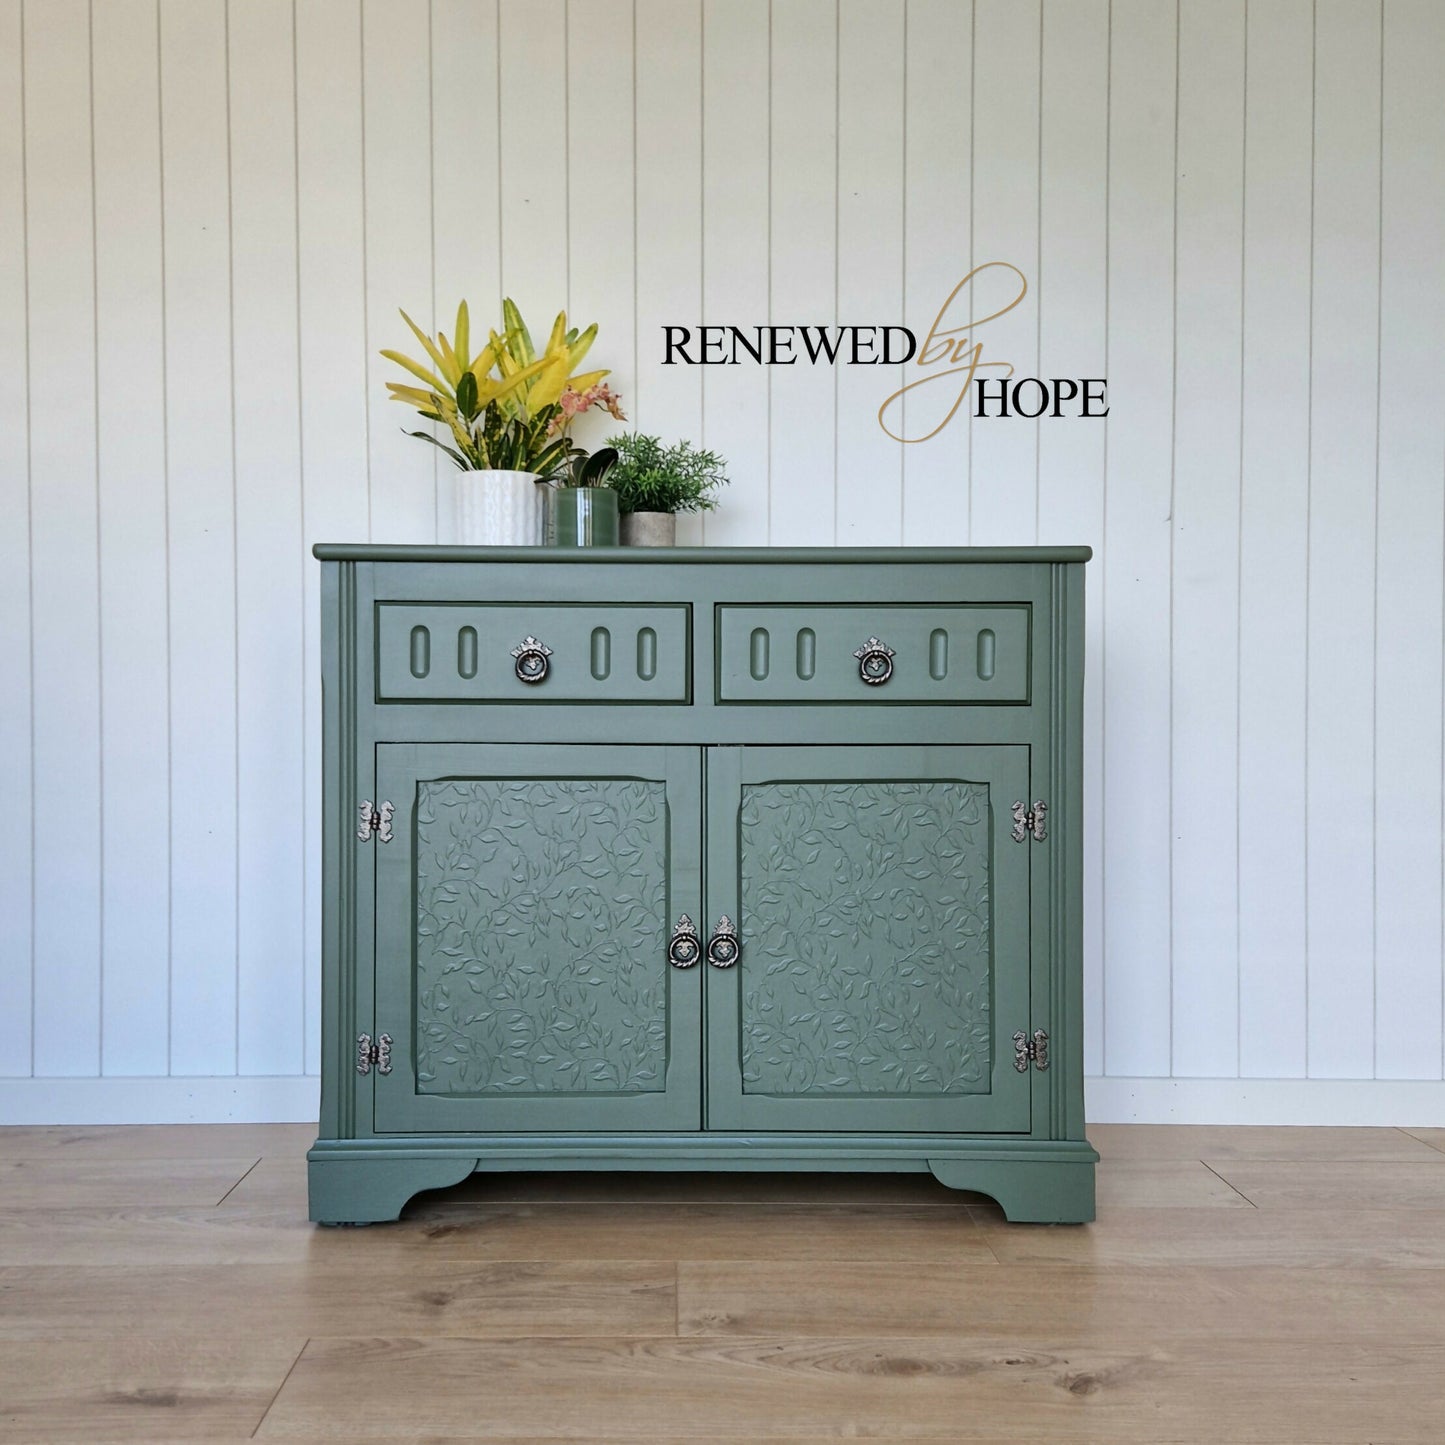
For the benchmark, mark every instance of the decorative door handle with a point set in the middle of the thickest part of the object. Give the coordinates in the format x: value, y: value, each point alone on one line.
x: 723, y: 948
x: 875, y: 662
x: 531, y: 655
x: 684, y: 948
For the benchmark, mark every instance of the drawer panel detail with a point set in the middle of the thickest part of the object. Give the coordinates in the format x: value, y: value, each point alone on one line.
x: 891, y: 653
x: 469, y: 652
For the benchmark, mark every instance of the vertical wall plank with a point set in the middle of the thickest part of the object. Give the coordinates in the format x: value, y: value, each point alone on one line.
x: 63, y: 521
x: 130, y: 365
x: 871, y: 63
x: 1343, y: 422
x: 669, y: 219
x: 202, y: 518
x: 600, y: 199
x: 1274, y: 510
x: 1136, y: 549
x: 1069, y: 291
x: 334, y: 366
x: 15, y: 851
x: 1003, y: 473
x: 397, y: 124
x: 269, y: 571
x: 466, y: 160
x: 1203, y: 655
x: 533, y: 109
x: 803, y: 239
x: 735, y: 256
x: 1408, y: 701
x: 937, y: 228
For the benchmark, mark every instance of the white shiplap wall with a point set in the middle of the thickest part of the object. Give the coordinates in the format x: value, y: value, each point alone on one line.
x: 1236, y: 211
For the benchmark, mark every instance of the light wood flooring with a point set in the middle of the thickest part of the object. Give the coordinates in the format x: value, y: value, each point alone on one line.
x: 1271, y: 1284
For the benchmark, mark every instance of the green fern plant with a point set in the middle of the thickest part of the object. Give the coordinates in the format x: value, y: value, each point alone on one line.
x: 651, y: 477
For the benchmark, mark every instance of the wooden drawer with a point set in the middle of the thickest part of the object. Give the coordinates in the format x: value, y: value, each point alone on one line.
x: 941, y: 653
x: 463, y: 652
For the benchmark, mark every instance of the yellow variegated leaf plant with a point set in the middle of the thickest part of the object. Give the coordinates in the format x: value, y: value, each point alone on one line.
x: 506, y: 407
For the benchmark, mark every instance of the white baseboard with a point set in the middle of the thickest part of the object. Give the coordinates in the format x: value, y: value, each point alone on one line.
x: 1387, y: 1103
x: 160, y: 1101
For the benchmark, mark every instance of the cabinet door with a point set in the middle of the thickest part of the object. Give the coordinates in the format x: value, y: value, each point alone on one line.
x: 882, y: 910
x: 523, y: 911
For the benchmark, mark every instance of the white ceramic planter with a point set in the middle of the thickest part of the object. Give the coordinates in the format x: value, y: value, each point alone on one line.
x: 500, y: 509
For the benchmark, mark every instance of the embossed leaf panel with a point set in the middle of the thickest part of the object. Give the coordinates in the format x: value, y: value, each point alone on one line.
x: 883, y: 912
x: 523, y: 918
x: 870, y: 945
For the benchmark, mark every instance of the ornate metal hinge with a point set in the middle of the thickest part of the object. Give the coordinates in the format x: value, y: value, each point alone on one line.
x: 375, y: 822
x: 1031, y: 1050
x: 1030, y: 820
x: 378, y: 1053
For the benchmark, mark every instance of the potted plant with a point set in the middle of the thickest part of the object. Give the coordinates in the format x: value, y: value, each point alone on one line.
x: 583, y: 508
x: 579, y: 510
x: 655, y: 482
x: 502, y: 408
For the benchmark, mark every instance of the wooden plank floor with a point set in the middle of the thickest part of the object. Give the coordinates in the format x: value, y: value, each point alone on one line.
x: 1279, y: 1285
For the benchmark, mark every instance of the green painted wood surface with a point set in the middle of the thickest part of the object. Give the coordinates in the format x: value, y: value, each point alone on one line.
x: 883, y: 913
x: 1033, y: 1180
x: 714, y: 556
x: 1021, y: 1137
x: 523, y: 913
x: 600, y: 653
x: 942, y: 653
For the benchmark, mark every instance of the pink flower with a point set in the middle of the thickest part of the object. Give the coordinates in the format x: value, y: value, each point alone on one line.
x: 604, y: 396
x: 571, y: 404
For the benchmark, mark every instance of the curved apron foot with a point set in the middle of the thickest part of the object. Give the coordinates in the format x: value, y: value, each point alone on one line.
x: 368, y: 1191
x: 1037, y: 1191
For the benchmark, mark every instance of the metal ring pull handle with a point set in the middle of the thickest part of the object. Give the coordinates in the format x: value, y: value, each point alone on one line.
x: 531, y: 655
x: 875, y: 662
x: 684, y: 948
x: 723, y: 948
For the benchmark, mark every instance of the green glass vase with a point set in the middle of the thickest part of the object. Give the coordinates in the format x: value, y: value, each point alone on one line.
x: 582, y: 517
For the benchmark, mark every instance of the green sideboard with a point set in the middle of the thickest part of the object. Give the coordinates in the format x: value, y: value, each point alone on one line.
x: 741, y: 859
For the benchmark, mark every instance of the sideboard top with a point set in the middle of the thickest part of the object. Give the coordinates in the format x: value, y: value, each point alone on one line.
x: 369, y: 552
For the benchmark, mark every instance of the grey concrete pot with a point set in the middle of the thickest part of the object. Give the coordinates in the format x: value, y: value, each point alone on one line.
x: 649, y: 529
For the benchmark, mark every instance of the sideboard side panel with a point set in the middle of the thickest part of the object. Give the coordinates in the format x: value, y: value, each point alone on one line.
x: 1056, y: 870
x: 338, y: 861
x: 1065, y: 862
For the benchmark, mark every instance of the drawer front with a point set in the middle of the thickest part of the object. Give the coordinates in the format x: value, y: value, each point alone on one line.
x: 932, y: 653
x: 463, y: 652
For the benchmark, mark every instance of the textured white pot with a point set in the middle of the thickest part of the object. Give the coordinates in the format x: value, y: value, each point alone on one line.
x: 500, y: 509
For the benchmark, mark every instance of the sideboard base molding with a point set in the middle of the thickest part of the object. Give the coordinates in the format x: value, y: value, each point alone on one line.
x: 374, y: 1188
x: 367, y: 1181
x: 1029, y: 1191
